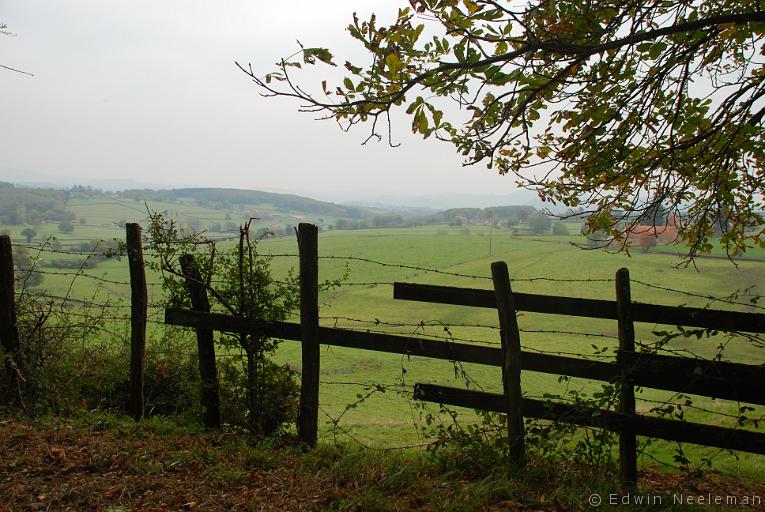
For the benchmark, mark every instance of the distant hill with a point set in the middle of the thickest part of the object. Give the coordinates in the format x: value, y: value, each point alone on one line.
x: 229, y: 197
x: 21, y: 205
x: 446, y: 201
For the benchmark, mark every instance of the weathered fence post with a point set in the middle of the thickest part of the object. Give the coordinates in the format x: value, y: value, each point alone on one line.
x: 208, y: 370
x: 9, y: 329
x: 138, y: 314
x: 511, y: 362
x: 308, y: 420
x: 627, y: 440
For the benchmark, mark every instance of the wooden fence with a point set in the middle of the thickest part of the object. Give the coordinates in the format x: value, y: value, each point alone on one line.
x: 731, y: 381
x: 718, y: 379
x: 723, y: 380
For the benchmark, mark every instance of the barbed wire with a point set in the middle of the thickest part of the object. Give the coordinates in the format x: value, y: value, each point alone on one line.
x: 698, y: 295
x: 399, y: 386
x: 579, y: 355
x: 689, y: 405
x: 448, y: 325
x: 368, y: 283
x: 564, y: 280
x: 659, y: 347
x: 80, y: 274
x: 450, y: 338
x: 206, y: 241
x: 383, y: 264
x: 423, y: 323
x: 39, y: 248
x: 571, y: 333
x: 444, y: 337
x: 124, y: 318
x: 90, y: 303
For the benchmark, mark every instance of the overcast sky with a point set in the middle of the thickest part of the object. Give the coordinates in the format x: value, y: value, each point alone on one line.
x: 148, y: 91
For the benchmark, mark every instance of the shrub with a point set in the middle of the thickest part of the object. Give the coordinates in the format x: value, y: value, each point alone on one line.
x: 278, y: 392
x: 539, y: 223
x: 559, y: 229
x: 66, y: 226
x: 243, y: 284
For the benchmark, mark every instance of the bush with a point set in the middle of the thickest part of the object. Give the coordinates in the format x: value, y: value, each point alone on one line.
x: 278, y: 395
x: 539, y: 223
x: 243, y: 282
x: 65, y: 360
x: 67, y: 377
x: 66, y: 226
x: 559, y: 229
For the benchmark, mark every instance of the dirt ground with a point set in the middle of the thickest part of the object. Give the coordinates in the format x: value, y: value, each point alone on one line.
x: 66, y: 469
x: 60, y: 467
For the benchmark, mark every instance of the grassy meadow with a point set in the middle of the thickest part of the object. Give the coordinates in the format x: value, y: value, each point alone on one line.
x: 386, y: 418
x: 538, y: 264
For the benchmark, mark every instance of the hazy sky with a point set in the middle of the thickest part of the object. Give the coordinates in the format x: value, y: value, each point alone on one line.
x: 149, y: 91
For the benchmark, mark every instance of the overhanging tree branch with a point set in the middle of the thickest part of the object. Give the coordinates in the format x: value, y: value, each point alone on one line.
x: 616, y: 105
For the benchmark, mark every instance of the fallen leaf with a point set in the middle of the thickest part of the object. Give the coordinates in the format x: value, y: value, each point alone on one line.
x: 111, y: 492
x: 57, y: 453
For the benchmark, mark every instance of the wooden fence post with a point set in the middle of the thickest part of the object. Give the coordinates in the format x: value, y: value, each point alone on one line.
x: 627, y: 440
x: 138, y: 315
x: 208, y: 370
x: 308, y: 420
x: 511, y: 364
x: 9, y: 329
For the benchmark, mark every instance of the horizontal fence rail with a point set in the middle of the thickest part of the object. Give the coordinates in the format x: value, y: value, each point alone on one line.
x: 590, y: 308
x: 661, y: 428
x: 717, y: 379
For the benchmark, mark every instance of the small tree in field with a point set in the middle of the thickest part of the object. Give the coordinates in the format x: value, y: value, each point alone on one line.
x: 559, y: 229
x: 539, y: 223
x: 66, y: 226
x: 29, y: 234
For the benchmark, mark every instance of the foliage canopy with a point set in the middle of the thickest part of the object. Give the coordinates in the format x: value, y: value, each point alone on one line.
x: 619, y: 106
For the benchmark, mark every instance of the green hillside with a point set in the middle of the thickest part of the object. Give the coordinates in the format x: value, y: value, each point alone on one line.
x: 440, y: 254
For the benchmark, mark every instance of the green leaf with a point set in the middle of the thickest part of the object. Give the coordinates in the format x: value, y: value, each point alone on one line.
x: 422, y: 123
x: 657, y: 49
x: 311, y: 54
x: 472, y: 7
x: 393, y: 62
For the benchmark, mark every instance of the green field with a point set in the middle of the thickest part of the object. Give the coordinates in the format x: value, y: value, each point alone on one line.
x: 386, y: 418
x: 538, y: 264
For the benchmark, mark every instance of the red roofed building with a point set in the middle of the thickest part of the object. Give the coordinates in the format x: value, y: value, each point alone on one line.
x: 647, y: 235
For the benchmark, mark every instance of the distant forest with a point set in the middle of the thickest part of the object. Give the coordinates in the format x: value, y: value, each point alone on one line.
x: 226, y: 197
x: 33, y: 205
